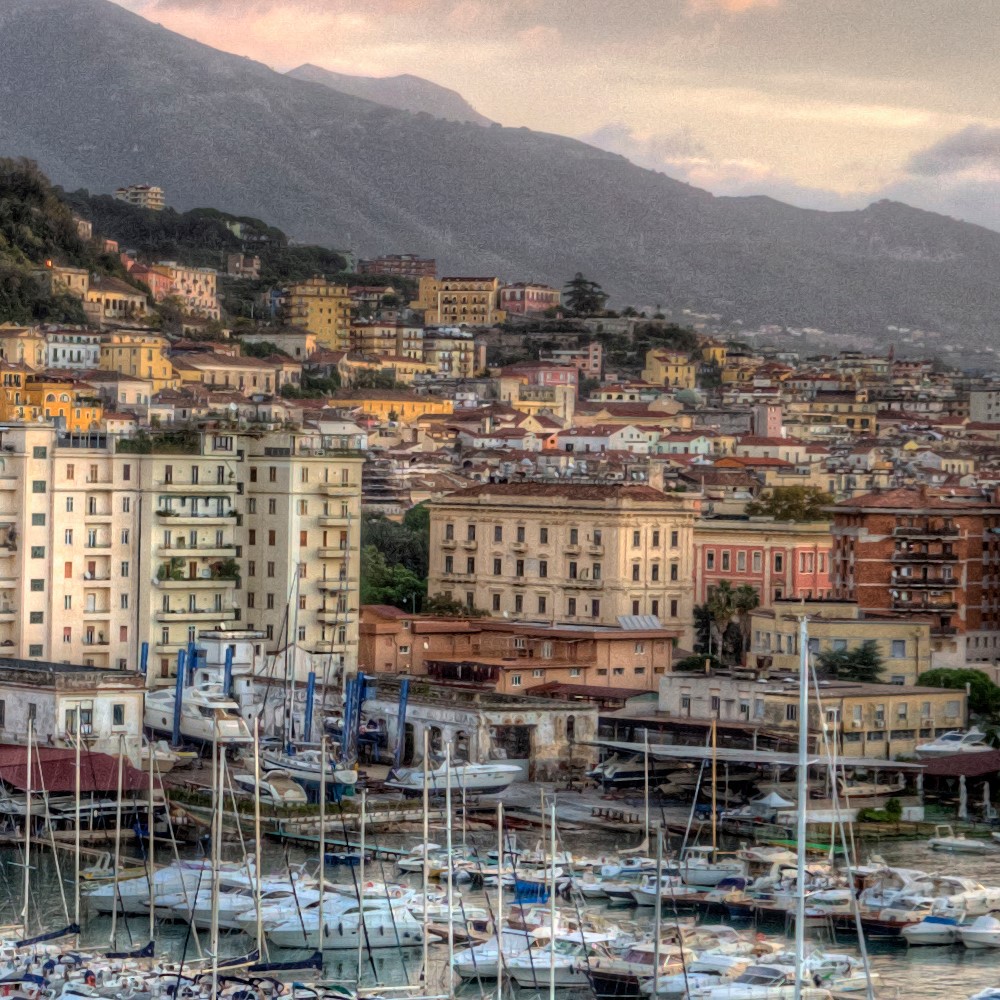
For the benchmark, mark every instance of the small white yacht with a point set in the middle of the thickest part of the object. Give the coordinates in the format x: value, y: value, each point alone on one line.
x: 484, y: 779
x: 622, y: 769
x: 983, y: 932
x: 306, y: 767
x: 955, y: 741
x: 945, y: 839
x: 207, y: 715
x: 276, y: 787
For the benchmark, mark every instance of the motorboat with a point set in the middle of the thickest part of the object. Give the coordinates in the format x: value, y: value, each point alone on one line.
x: 207, y: 715
x: 483, y: 779
x: 623, y: 975
x: 955, y: 741
x: 306, y: 767
x: 853, y: 788
x: 276, y: 787
x: 485, y: 960
x: 377, y: 923
x: 983, y: 932
x: 945, y: 839
x: 698, y: 869
x: 565, y: 962
x: 132, y: 896
x: 669, y: 890
x: 622, y: 770
x: 703, y: 972
x: 163, y: 758
x: 934, y: 929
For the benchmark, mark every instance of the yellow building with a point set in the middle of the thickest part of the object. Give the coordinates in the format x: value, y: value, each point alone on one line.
x: 405, y: 370
x: 113, y: 300
x: 671, y: 368
x: 195, y: 287
x: 75, y: 280
x: 714, y: 354
x: 566, y: 552
x: 143, y: 355
x: 322, y: 308
x: 392, y: 404
x: 31, y: 398
x: 23, y: 346
x: 453, y: 352
x: 459, y: 301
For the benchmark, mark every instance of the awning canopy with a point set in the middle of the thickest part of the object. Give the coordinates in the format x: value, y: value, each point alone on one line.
x: 971, y: 765
x: 53, y: 769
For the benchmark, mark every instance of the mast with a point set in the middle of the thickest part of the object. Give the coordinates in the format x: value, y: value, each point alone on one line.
x: 361, y: 878
x: 216, y: 860
x: 803, y: 796
x: 76, y: 838
x: 118, y: 836
x: 322, y: 838
x: 645, y: 789
x: 152, y: 839
x: 451, y: 880
x: 426, y: 860
x: 498, y: 916
x: 658, y: 913
x: 256, y: 834
x: 552, y: 901
x: 27, y: 836
x: 715, y: 765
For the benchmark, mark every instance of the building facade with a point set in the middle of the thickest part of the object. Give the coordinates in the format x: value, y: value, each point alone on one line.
x: 459, y: 301
x: 403, y: 265
x: 563, y: 552
x: 322, y: 308
x: 143, y: 196
x: 529, y: 299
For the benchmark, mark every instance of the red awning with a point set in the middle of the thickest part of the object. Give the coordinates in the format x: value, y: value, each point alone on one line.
x: 53, y: 769
x: 972, y: 765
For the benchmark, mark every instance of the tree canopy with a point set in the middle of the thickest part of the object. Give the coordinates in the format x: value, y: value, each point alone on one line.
x: 984, y: 695
x: 394, y: 559
x: 385, y: 584
x: 584, y: 297
x: 792, y: 503
x: 862, y: 663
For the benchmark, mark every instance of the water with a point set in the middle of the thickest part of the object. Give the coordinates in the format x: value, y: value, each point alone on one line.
x: 920, y: 973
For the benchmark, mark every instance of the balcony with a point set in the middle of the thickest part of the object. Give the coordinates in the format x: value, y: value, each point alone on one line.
x: 8, y: 613
x: 923, y: 557
x: 459, y: 577
x: 195, y: 582
x: 922, y: 607
x: 338, y: 584
x: 197, y: 615
x: 332, y: 551
x: 446, y: 543
x: 96, y: 612
x: 187, y: 518
x: 912, y: 582
x: 572, y: 550
x: 519, y: 546
x: 331, y: 616
x: 196, y: 551
x: 9, y: 482
x: 178, y: 488
x: 97, y: 546
x: 470, y: 545
x: 925, y: 531
x: 943, y: 630
x: 102, y: 579
x: 579, y: 584
x: 595, y: 550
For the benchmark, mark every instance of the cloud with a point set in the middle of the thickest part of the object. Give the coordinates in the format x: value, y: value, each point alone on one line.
x: 729, y: 6
x: 973, y: 149
x: 539, y: 38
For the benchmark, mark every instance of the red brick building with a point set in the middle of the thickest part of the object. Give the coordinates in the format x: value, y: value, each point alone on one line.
x: 921, y: 552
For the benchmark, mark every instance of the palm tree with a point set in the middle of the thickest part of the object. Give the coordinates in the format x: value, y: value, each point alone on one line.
x: 745, y: 600
x: 721, y: 607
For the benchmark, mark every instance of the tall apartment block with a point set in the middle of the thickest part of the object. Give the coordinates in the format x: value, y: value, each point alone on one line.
x: 108, y: 543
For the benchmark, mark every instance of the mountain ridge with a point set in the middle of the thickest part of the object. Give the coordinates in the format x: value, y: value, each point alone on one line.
x: 101, y: 97
x: 404, y: 92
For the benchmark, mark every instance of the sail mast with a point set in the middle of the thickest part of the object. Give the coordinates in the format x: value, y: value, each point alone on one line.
x: 118, y: 836
x: 27, y: 835
x: 803, y: 797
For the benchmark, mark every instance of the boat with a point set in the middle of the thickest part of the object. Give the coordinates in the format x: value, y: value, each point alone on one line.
x: 563, y: 963
x: 376, y: 923
x: 983, y: 932
x: 630, y: 769
x: 945, y: 839
x: 852, y: 788
x: 706, y: 971
x: 955, y: 741
x: 207, y: 715
x: 670, y: 890
x: 485, y: 960
x: 276, y: 787
x: 483, y: 779
x: 623, y: 976
x: 306, y: 766
x: 934, y: 929
x: 697, y: 868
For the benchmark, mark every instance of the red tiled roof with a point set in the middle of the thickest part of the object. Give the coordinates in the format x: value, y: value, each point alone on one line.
x: 972, y: 765
x: 570, y: 491
x: 54, y: 769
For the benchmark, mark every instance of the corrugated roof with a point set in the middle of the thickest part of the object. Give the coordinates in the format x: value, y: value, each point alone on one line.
x: 54, y: 770
x: 972, y: 765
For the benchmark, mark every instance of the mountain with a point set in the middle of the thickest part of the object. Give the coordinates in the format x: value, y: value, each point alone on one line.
x: 405, y: 92
x: 100, y: 97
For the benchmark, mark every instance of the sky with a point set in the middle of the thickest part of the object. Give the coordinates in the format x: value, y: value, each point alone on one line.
x: 824, y: 103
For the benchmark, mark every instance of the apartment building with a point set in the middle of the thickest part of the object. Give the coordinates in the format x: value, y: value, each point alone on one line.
x: 77, y: 349
x: 142, y: 196
x: 106, y: 544
x: 669, y: 368
x: 921, y: 552
x: 566, y: 552
x: 322, y: 308
x: 196, y: 287
x: 459, y: 301
x: 140, y: 354
x: 454, y: 353
x: 400, y: 340
x: 528, y: 298
x: 403, y: 265
x: 779, y: 559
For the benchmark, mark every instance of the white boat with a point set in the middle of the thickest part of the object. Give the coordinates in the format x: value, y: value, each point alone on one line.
x: 276, y: 787
x: 625, y: 769
x: 164, y: 759
x: 670, y: 890
x: 983, y: 932
x: 377, y: 923
x: 704, y: 972
x: 483, y: 779
x: 990, y: 993
x: 485, y: 960
x: 207, y: 715
x: 568, y: 957
x: 945, y: 839
x: 697, y: 868
x: 306, y: 766
x: 955, y: 741
x: 934, y: 929
x: 132, y: 895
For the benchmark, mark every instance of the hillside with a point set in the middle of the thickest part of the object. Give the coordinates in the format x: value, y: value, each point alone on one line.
x: 101, y: 97
x: 405, y: 92
x: 37, y: 228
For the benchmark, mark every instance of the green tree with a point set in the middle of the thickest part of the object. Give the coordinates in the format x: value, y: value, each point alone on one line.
x: 584, y: 297
x: 370, y: 378
x: 721, y: 606
x: 863, y: 663
x: 385, y: 584
x: 439, y: 604
x: 745, y: 601
x: 984, y: 695
x: 792, y: 503
x: 406, y: 544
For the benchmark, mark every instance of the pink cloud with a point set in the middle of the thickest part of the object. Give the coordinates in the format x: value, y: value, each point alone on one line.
x: 539, y: 37
x: 730, y: 6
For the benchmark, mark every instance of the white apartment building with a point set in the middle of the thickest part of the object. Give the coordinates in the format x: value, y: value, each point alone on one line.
x: 106, y: 544
x: 196, y: 287
x: 79, y: 349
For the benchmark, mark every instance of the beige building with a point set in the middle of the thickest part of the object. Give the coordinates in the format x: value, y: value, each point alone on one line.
x: 459, y: 301
x: 905, y: 645
x: 566, y: 552
x: 322, y: 308
x: 107, y: 544
x: 140, y: 355
x: 74, y: 280
x: 196, y: 287
x: 453, y: 352
x: 669, y: 368
x: 142, y: 196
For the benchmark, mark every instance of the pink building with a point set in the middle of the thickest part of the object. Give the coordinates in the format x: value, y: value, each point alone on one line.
x: 158, y: 283
x: 778, y: 559
x: 539, y: 373
x: 526, y: 298
x: 588, y: 360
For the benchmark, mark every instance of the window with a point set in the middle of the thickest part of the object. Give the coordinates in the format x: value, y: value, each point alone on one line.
x: 636, y: 538
x: 756, y: 562
x: 541, y: 605
x: 673, y: 609
x: 640, y: 648
x: 898, y: 649
x: 124, y: 569
x: 69, y: 505
x: 635, y: 572
x: 272, y: 537
x: 779, y: 562
x: 272, y: 473
x: 496, y: 602
x: 38, y: 520
x: 515, y: 680
x: 126, y: 504
x: 715, y: 703
x: 498, y: 533
x: 618, y: 672
x: 520, y: 533
x: 595, y: 609
x: 685, y: 703
x: 543, y: 536
x: 68, y: 602
x: 252, y: 537
x: 404, y: 650
x: 654, y: 607
x: 272, y: 506
x: 572, y: 570
x: 36, y: 618
x: 33, y: 711
x: 571, y: 607
x: 124, y: 602
x: 270, y: 569
x: 449, y: 564
x: 35, y: 649
x: 518, y: 603
x: 117, y: 715
x: 497, y: 567
x: 37, y: 551
x: 635, y: 607
x: 674, y: 571
x: 470, y: 532
x: 595, y: 571
x: 741, y: 562
x: 126, y: 472
x: 655, y: 572
x: 39, y: 451
x: 725, y: 561
x: 470, y: 565
x: 709, y: 559
x: 303, y: 538
x: 251, y: 567
x: 791, y: 713
x: 574, y: 536
x: 125, y: 536
x: 674, y: 539
x: 951, y: 709
x: 839, y: 645
x: 543, y: 567
x: 573, y: 672
x: 37, y: 585
x: 656, y: 538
